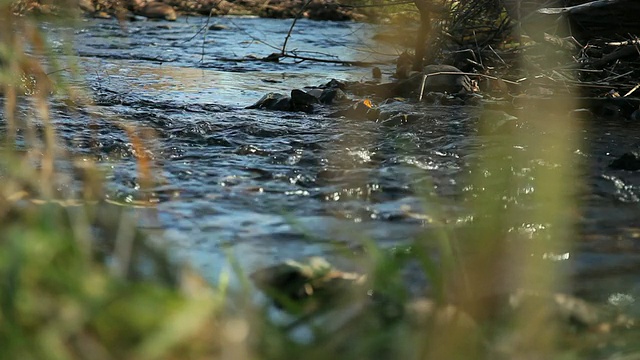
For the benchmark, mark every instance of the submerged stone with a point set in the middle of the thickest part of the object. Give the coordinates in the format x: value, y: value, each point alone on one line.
x: 497, y: 122
x: 402, y: 119
x: 628, y: 161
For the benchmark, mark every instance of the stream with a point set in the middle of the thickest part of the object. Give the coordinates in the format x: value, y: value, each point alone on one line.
x: 267, y: 186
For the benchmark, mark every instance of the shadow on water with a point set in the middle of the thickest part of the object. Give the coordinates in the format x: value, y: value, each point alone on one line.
x: 275, y: 185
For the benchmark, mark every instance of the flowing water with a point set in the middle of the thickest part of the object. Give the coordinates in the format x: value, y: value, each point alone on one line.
x: 276, y: 185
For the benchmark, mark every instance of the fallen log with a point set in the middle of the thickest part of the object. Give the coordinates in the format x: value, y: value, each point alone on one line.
x: 629, y: 51
x: 599, y: 18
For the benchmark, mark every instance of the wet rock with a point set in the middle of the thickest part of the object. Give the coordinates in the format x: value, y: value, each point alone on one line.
x: 217, y: 27
x: 361, y: 110
x: 302, y: 97
x: 497, y: 122
x: 402, y: 119
x: 456, y: 84
x: 392, y: 107
x: 298, y: 101
x: 315, y: 92
x: 628, y: 161
x: 309, y: 285
x: 329, y: 93
x: 335, y: 84
x: 156, y: 10
x: 333, y: 95
x: 613, y: 108
x: 473, y: 99
x: 395, y: 112
x: 437, y: 82
x: 451, y: 83
x: 452, y: 101
x: 434, y: 98
x: 609, y: 111
x: 302, y: 101
x: 273, y: 101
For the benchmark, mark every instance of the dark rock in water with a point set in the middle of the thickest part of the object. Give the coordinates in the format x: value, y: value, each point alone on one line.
x: 394, y: 112
x: 497, y: 122
x: 609, y: 111
x: 390, y: 90
x: 362, y: 110
x: 302, y: 101
x: 329, y: 93
x: 613, y: 108
x: 473, y: 99
x: 434, y: 98
x: 333, y: 83
x: 434, y: 82
x: 392, y: 107
x: 316, y: 92
x: 628, y: 161
x: 217, y: 27
x: 309, y: 285
x: 273, y: 101
x: 450, y: 83
x: 332, y: 95
x: 299, y: 101
x: 402, y: 119
x: 302, y: 97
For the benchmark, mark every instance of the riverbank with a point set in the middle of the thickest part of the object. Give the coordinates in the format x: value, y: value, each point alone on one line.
x: 313, y: 9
